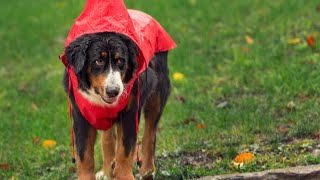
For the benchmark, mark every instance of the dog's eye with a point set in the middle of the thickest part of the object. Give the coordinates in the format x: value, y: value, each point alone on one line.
x: 120, y: 63
x: 99, y: 62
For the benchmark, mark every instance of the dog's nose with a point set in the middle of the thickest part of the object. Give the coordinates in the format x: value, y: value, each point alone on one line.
x: 113, y: 91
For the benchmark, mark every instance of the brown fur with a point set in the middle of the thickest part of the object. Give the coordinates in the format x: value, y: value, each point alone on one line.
x: 97, y: 81
x: 123, y: 163
x: 108, y: 143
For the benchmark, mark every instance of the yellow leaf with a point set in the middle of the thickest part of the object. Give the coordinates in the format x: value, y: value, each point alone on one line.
x: 178, y: 76
x: 34, y: 107
x: 48, y: 143
x: 291, y: 105
x: 249, y: 39
x: 294, y: 41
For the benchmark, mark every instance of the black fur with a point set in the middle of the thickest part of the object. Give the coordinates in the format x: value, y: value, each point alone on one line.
x: 146, y: 83
x: 155, y: 78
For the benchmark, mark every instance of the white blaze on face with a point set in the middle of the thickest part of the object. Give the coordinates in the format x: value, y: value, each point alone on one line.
x: 114, y: 79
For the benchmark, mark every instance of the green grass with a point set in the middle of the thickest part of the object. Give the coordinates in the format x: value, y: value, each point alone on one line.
x: 257, y: 80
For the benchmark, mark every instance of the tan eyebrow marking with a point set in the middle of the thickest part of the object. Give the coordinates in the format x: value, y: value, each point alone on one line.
x: 104, y: 54
x: 117, y: 55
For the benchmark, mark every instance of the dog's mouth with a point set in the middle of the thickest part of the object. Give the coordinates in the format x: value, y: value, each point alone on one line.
x: 108, y: 100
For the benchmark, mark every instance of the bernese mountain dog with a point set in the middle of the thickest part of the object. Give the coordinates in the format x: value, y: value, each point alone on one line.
x: 104, y: 63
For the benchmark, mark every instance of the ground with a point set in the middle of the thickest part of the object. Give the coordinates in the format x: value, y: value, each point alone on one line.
x: 249, y: 82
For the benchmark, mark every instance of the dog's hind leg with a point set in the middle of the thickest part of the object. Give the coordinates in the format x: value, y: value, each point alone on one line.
x: 153, y: 110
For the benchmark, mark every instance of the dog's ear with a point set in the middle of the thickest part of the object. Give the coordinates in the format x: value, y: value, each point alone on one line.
x: 76, y: 52
x: 132, y: 62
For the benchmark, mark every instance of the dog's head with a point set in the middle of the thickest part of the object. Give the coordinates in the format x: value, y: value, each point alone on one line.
x: 103, y: 64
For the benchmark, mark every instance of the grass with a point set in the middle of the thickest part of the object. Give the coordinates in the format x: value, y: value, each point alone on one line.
x: 238, y: 92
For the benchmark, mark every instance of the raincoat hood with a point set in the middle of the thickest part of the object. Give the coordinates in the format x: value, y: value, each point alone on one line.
x: 113, y: 16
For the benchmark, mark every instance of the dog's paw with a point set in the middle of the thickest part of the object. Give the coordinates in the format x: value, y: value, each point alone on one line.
x: 101, y: 176
x: 148, y: 175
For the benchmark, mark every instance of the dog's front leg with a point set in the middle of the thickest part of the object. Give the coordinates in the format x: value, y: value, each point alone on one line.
x: 108, y: 142
x: 85, y: 136
x: 126, y: 145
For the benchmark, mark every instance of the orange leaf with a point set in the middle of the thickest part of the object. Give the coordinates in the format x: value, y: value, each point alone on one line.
x: 201, y: 126
x: 249, y: 39
x: 243, y: 157
x: 311, y: 41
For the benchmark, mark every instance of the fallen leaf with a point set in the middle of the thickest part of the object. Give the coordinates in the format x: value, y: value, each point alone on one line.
x: 4, y: 167
x: 223, y: 104
x: 48, y: 143
x: 291, y: 105
x: 201, y: 126
x: 178, y: 76
x: 34, y: 107
x: 249, y: 39
x: 189, y: 120
x: 311, y: 41
x: 180, y: 99
x: 243, y: 158
x: 36, y: 140
x: 294, y: 41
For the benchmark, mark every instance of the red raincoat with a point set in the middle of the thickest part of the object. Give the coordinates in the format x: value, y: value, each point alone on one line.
x: 112, y: 16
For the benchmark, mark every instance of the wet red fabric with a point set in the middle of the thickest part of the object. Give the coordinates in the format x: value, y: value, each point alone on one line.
x: 112, y: 16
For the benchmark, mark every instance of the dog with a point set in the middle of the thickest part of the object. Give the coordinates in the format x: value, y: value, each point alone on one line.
x: 116, y: 69
x: 108, y: 63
